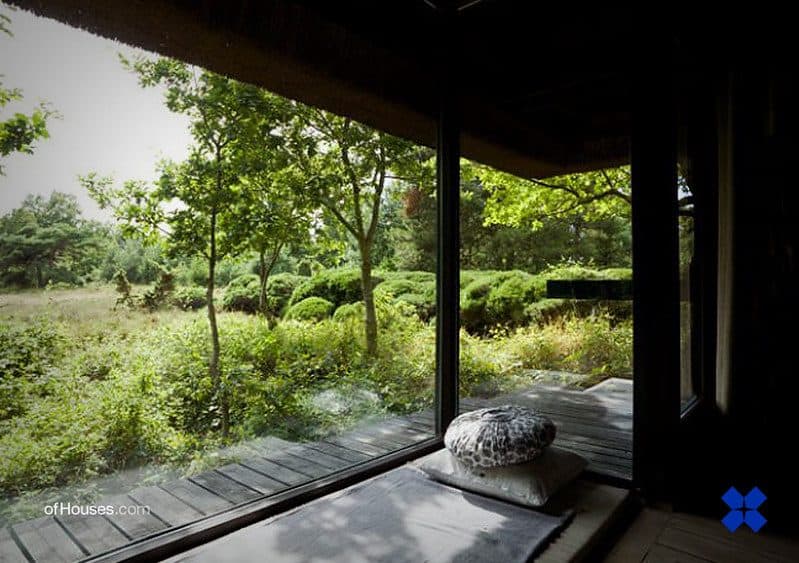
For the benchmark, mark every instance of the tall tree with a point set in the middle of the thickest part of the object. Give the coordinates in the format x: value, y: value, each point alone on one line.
x: 19, y: 132
x: 347, y: 167
x: 47, y: 240
x: 191, y: 202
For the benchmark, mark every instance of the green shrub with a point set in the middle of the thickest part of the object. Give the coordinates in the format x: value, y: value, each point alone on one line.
x: 571, y: 272
x: 242, y: 294
x: 349, y: 312
x: 617, y: 273
x: 511, y: 290
x: 190, y: 298
x: 310, y: 309
x: 506, y: 303
x: 417, y: 289
x: 596, y: 346
x: 337, y: 286
x: 413, y: 276
x: 83, y: 429
x: 160, y: 294
x: 28, y: 356
x: 279, y: 288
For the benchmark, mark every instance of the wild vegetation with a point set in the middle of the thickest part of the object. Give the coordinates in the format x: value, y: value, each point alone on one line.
x: 279, y: 281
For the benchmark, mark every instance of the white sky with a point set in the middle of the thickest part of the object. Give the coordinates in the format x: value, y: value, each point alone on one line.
x: 109, y: 123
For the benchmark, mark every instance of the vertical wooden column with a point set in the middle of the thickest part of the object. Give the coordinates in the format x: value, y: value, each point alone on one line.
x: 448, y: 228
x: 656, y: 340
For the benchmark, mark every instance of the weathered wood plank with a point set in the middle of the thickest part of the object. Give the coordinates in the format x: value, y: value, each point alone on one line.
x: 95, y: 533
x: 414, y: 429
x: 390, y: 442
x: 340, y: 452
x: 389, y: 429
x: 711, y: 548
x: 370, y: 450
x: 663, y: 554
x: 781, y: 549
x: 194, y: 495
x: 45, y: 540
x: 136, y: 525
x: 165, y: 506
x: 318, y: 456
x: 257, y: 481
x: 225, y: 487
x: 305, y: 466
x: 639, y: 537
x: 9, y: 551
x: 274, y: 470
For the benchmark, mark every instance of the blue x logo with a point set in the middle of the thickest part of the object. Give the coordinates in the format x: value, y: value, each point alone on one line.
x: 743, y: 509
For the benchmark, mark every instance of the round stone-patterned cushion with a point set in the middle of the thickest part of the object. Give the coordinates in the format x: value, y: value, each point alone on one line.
x: 499, y: 436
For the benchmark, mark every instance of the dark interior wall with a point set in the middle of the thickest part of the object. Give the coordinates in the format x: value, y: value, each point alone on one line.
x: 760, y: 421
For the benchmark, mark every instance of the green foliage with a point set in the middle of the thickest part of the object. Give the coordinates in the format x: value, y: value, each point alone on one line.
x: 338, y: 286
x: 190, y: 298
x: 47, y: 240
x: 416, y: 289
x: 241, y: 294
x: 123, y: 289
x: 159, y: 295
x: 280, y: 288
x: 28, y: 356
x: 349, y: 312
x: 140, y: 263
x: 20, y: 132
x: 514, y: 201
x: 506, y: 303
x: 597, y: 346
x: 310, y: 308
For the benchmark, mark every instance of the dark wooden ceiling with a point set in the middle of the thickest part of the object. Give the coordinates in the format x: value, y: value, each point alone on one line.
x: 543, y: 90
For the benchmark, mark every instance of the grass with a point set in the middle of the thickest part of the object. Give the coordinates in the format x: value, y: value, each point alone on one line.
x: 87, y: 311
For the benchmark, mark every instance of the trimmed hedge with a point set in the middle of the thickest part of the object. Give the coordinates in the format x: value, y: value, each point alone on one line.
x: 243, y: 293
x: 417, y: 289
x: 349, y: 311
x: 337, y: 286
x: 310, y: 309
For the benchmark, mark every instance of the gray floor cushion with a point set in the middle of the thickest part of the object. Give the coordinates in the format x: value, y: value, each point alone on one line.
x: 497, y: 436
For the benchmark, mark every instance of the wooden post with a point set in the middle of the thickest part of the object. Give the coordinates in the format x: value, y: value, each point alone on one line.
x: 448, y: 228
x: 656, y: 340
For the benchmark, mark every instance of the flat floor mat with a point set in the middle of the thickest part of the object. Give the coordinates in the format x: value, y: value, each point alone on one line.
x: 401, y: 516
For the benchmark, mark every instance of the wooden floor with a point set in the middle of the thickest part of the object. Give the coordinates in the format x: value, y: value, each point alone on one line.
x: 660, y: 536
x: 596, y: 423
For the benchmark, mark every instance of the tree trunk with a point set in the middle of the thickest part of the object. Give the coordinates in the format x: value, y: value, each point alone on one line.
x: 265, y: 269
x: 263, y: 276
x: 213, y: 365
x: 368, y: 298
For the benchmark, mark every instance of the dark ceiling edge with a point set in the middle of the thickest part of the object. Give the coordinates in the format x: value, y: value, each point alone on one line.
x: 166, y: 29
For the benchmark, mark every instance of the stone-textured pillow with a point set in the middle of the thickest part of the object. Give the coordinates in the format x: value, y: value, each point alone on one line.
x: 499, y: 436
x: 530, y: 484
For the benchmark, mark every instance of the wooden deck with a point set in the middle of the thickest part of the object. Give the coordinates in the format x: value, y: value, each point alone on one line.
x: 596, y: 423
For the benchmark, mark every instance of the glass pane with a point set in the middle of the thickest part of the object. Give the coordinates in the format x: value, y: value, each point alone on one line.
x: 228, y: 303
x: 546, y: 306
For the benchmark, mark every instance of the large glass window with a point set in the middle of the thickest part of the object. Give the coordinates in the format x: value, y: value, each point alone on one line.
x: 546, y: 304
x: 209, y: 294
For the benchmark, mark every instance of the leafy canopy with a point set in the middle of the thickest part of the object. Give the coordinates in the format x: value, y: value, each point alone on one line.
x: 517, y: 202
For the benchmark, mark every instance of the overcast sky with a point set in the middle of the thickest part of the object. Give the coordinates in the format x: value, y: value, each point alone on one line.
x: 109, y: 124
